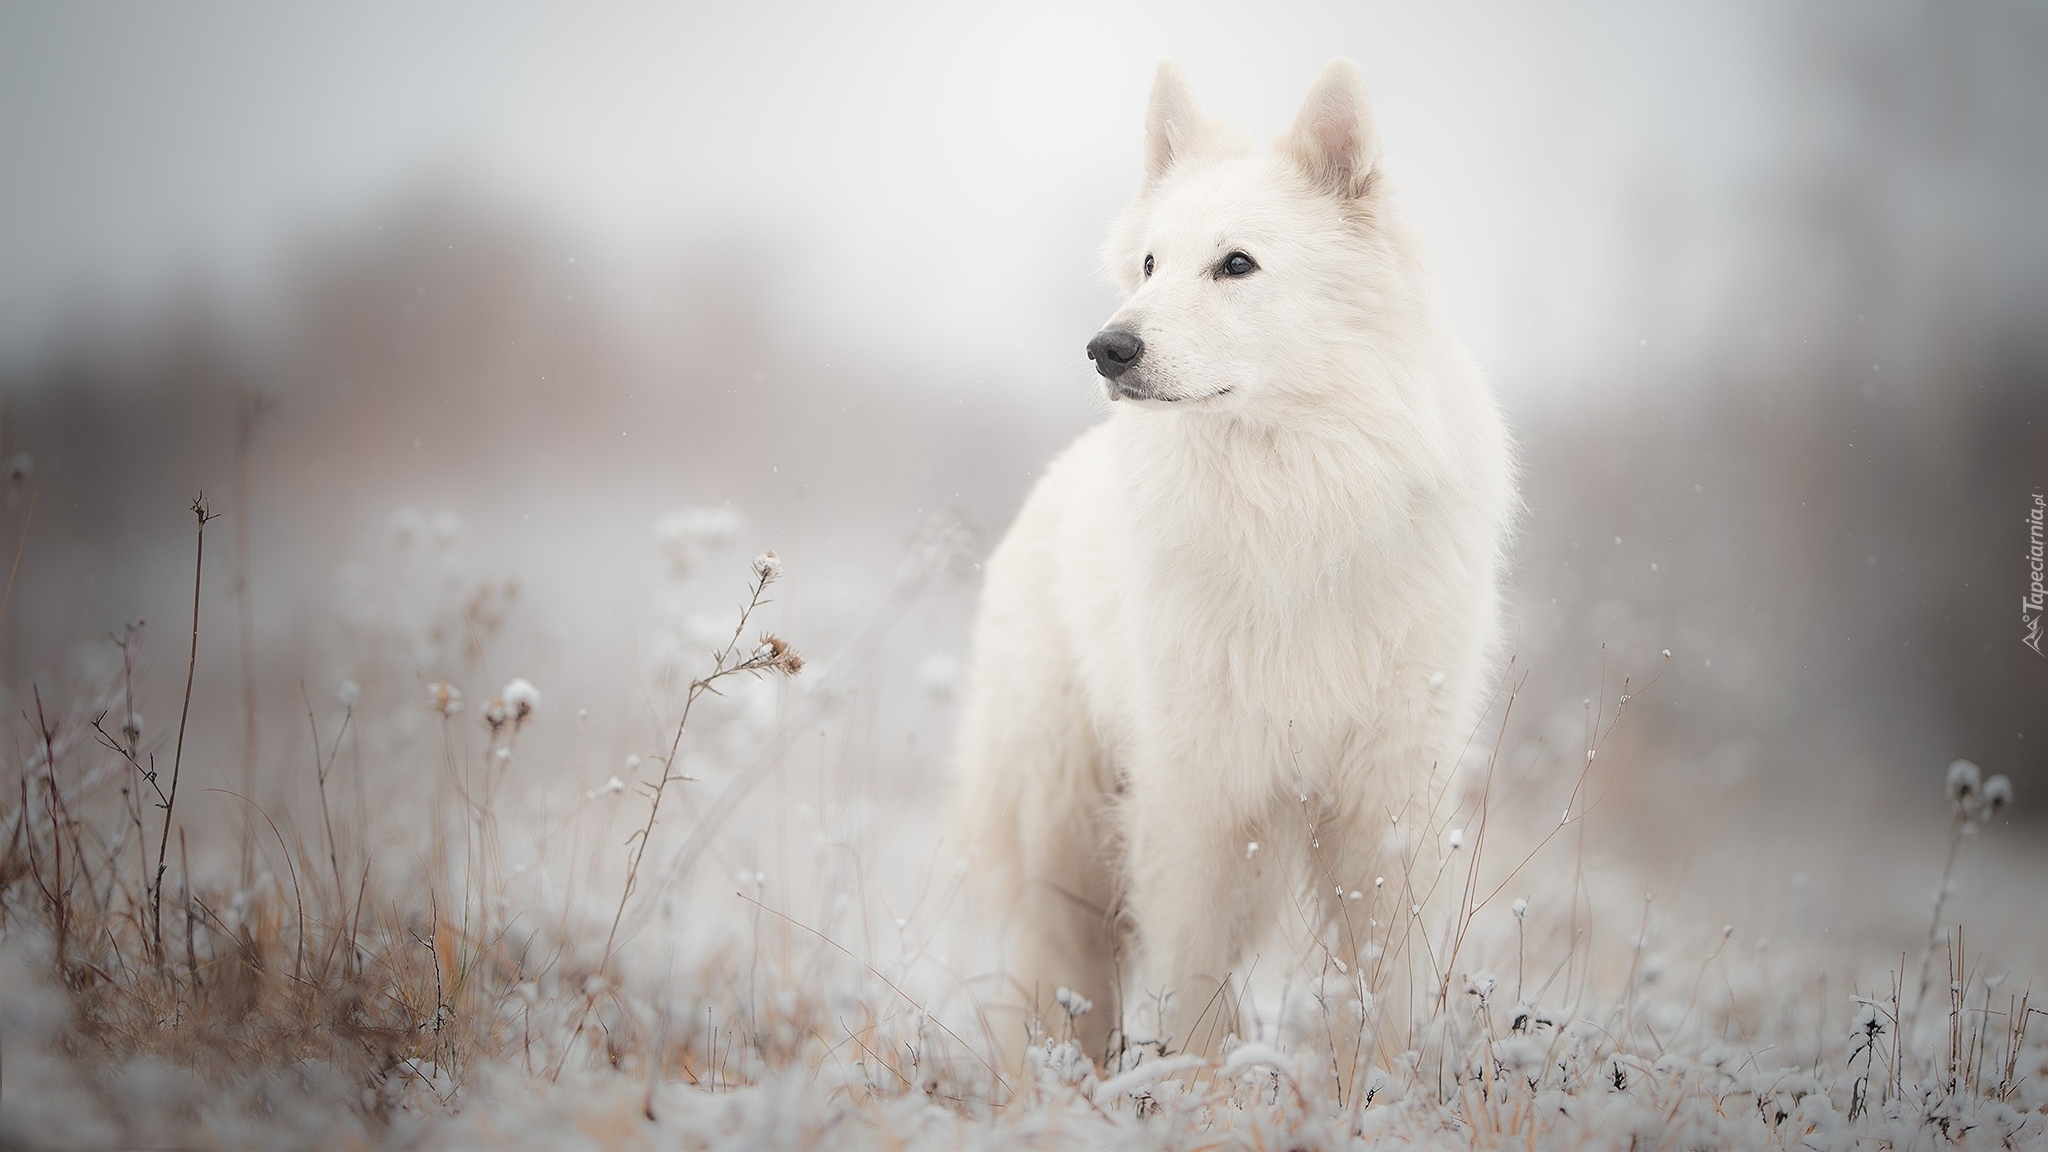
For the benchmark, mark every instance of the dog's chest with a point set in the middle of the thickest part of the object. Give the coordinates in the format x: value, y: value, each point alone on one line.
x: 1291, y: 605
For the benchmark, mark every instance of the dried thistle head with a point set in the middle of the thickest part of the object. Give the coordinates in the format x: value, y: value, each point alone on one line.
x: 1997, y: 793
x: 1963, y: 783
x: 774, y: 655
x: 1974, y: 799
x: 767, y: 566
x: 444, y: 698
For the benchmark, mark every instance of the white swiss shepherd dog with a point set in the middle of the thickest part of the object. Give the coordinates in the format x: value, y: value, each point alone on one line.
x: 1240, y: 633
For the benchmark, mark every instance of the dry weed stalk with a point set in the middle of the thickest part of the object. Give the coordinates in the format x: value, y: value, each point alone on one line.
x: 1972, y: 800
x: 203, y: 515
x: 772, y: 655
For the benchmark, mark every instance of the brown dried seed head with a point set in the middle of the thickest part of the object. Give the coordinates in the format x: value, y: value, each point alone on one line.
x: 776, y: 653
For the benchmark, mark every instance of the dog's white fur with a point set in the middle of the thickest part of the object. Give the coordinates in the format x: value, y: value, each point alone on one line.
x: 1260, y: 602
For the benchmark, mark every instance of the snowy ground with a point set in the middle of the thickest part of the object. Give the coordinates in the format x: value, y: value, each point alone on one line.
x: 424, y: 952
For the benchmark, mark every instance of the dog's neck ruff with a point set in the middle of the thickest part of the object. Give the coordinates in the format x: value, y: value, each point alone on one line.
x: 1296, y: 503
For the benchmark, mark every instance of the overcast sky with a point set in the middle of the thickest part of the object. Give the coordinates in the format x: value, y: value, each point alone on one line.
x: 933, y: 177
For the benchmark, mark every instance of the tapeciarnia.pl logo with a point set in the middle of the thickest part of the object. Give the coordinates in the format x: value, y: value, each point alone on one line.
x: 2036, y: 599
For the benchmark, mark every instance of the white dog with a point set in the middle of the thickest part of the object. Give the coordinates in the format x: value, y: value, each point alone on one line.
x: 1242, y: 630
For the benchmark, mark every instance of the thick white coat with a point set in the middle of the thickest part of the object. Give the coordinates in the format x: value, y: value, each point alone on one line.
x: 1259, y: 603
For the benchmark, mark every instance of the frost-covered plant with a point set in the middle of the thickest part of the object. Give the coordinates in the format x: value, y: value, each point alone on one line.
x: 1972, y: 801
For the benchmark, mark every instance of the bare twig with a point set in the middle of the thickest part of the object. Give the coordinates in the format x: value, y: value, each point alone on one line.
x: 909, y: 586
x: 321, y: 767
x: 29, y: 848
x: 772, y: 655
x: 156, y: 899
x: 185, y: 896
x: 59, y: 895
x: 1955, y: 842
x: 127, y: 753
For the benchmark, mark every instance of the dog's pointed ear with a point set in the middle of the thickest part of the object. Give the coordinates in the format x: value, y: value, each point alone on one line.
x: 1333, y: 139
x: 1173, y: 125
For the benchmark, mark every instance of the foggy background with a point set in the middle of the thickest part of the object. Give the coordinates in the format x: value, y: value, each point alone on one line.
x: 1764, y: 292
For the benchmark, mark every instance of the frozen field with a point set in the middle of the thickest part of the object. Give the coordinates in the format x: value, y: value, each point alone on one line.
x: 425, y: 951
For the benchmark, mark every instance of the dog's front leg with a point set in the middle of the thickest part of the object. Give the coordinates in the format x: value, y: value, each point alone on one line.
x: 1195, y: 893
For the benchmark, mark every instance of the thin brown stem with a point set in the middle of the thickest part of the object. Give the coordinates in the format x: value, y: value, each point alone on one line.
x: 156, y: 899
x: 719, y: 670
x: 185, y: 897
x: 321, y: 767
x: 60, y: 898
x: 1948, y: 867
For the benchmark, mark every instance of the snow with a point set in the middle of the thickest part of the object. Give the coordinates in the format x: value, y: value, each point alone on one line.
x: 819, y: 979
x: 521, y: 696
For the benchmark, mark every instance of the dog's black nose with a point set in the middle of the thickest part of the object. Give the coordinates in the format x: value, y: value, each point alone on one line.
x: 1114, y: 350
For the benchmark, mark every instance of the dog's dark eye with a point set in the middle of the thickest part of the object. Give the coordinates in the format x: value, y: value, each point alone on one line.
x: 1148, y: 263
x: 1237, y: 264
